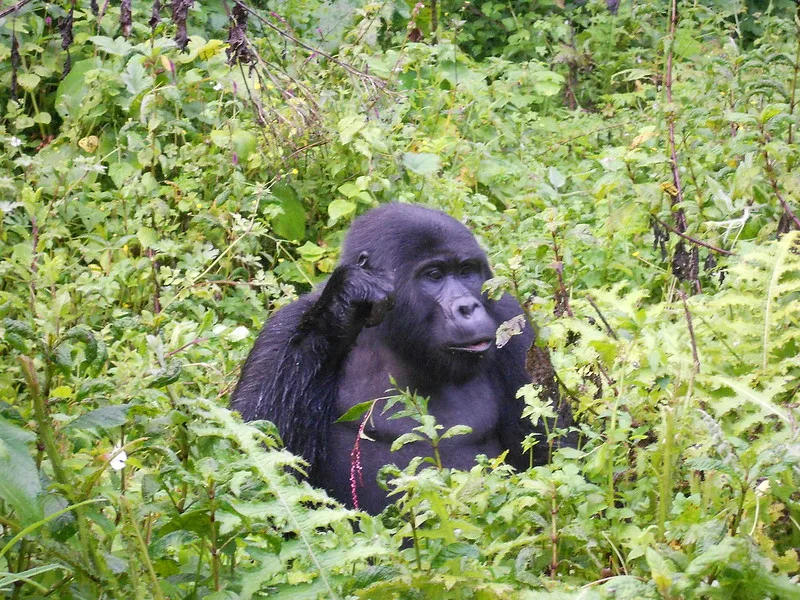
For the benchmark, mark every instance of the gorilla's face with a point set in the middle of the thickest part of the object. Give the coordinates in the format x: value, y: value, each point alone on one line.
x: 439, y: 323
x: 451, y: 289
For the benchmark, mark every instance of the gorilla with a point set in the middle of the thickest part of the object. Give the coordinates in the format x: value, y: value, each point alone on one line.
x: 405, y: 302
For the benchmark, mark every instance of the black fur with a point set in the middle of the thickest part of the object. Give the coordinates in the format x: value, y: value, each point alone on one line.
x: 405, y: 300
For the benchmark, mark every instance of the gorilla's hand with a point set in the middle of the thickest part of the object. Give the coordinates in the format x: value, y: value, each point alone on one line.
x: 355, y: 296
x: 369, y: 292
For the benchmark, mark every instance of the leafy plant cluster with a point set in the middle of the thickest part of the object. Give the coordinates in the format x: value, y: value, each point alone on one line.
x: 168, y: 182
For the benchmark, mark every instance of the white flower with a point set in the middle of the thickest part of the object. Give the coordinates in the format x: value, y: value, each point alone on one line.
x: 120, y: 458
x: 15, y: 141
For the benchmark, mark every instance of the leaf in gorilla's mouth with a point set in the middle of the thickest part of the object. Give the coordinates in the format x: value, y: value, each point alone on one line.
x: 474, y: 347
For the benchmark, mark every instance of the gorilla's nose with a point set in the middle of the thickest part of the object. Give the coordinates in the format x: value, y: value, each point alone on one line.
x: 465, y: 306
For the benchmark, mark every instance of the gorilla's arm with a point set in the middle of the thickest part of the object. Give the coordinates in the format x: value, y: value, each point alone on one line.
x: 291, y: 375
x: 511, y: 370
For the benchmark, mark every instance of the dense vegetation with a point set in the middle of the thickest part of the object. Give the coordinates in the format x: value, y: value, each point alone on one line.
x: 171, y: 177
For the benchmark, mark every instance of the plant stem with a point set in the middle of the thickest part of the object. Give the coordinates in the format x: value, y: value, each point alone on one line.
x: 415, y: 536
x: 145, y: 556
x: 796, y: 66
x: 436, y: 456
x: 213, y: 536
x: 47, y: 439
x: 46, y: 436
x: 695, y: 356
x: 773, y: 180
x: 677, y: 199
x: 665, y: 478
x: 553, y: 532
x: 737, y: 518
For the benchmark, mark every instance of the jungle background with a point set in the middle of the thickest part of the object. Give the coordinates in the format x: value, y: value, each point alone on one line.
x: 172, y: 173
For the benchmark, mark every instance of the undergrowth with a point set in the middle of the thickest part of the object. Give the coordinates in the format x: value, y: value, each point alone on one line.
x: 170, y: 178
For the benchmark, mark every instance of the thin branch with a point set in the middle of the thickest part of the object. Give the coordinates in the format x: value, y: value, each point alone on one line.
x: 301, y: 149
x: 695, y: 357
x: 13, y: 8
x: 302, y: 44
x: 691, y: 239
x: 252, y: 284
x: 602, y: 318
x: 677, y: 199
x: 773, y: 181
x: 796, y: 67
x: 194, y: 342
x: 575, y: 137
x: 562, y: 296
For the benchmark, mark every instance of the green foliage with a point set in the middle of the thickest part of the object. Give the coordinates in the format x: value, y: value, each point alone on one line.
x: 157, y: 204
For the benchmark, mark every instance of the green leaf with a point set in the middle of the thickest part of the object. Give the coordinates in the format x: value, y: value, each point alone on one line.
x: 117, y: 46
x: 406, y: 438
x: 135, y: 78
x: 19, y: 328
x: 120, y: 173
x: 42, y: 117
x: 349, y: 189
x: 557, y: 180
x: 85, y: 335
x: 167, y: 375
x: 456, y: 430
x: 8, y: 579
x: 105, y: 417
x: 660, y: 570
x: 24, y: 122
x: 686, y: 43
x: 349, y: 126
x: 244, y: 143
x: 354, y: 413
x: 28, y: 81
x: 20, y: 487
x: 311, y: 252
x: 221, y: 138
x: 340, y: 208
x: 73, y: 89
x: 238, y: 333
x: 291, y: 223
x: 770, y: 111
x: 147, y: 236
x: 17, y: 342
x: 422, y: 164
x: 547, y: 83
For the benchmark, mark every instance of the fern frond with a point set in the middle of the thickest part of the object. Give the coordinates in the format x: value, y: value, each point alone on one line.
x: 762, y: 400
x: 295, y: 507
x: 787, y: 262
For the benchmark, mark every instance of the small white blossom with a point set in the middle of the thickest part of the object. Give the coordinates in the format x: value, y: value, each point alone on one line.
x: 120, y: 458
x: 15, y: 141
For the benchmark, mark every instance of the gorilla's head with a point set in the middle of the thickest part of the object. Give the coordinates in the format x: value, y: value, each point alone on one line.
x: 440, y: 322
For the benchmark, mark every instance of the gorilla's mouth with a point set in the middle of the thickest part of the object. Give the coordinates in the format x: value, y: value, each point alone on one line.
x: 475, y: 347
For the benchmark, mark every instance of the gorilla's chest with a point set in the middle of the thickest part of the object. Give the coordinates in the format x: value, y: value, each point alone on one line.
x: 365, y: 376
x: 474, y: 403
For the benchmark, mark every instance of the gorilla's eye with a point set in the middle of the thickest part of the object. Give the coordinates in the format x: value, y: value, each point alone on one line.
x: 468, y: 269
x: 434, y: 274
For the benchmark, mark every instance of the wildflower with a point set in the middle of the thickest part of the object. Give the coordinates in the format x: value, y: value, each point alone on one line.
x: 120, y: 457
